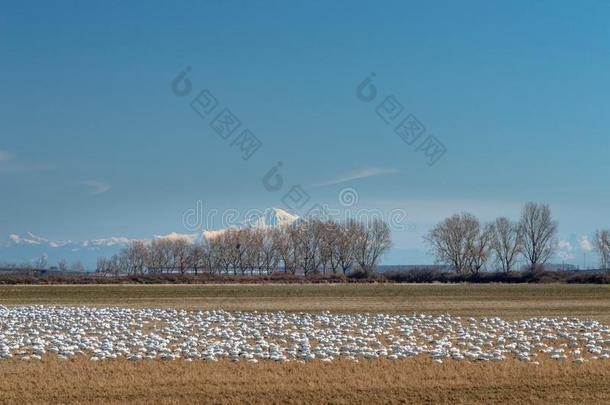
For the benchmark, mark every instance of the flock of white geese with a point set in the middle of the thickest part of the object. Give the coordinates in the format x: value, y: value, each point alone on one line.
x: 33, y: 332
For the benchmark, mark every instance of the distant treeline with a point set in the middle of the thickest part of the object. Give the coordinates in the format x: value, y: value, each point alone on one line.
x: 307, y: 247
x: 469, y: 247
x: 461, y: 244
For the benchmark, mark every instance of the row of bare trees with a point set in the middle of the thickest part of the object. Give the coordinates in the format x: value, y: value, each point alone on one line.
x: 309, y: 247
x: 466, y: 245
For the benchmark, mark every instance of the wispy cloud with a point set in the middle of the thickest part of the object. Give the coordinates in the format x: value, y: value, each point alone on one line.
x: 361, y: 173
x: 96, y: 187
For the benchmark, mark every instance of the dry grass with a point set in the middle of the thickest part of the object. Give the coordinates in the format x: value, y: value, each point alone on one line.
x: 380, y: 381
x: 343, y: 382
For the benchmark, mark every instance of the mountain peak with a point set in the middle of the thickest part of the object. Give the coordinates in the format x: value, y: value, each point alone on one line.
x: 112, y: 241
x: 29, y: 239
x: 30, y: 246
x: 271, y: 217
x: 173, y: 236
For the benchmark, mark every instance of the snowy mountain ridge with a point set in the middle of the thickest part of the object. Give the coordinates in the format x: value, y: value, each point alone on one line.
x: 28, y: 247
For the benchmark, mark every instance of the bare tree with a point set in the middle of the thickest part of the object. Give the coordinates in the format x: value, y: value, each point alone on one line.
x: 507, y: 243
x: 102, y: 266
x: 287, y: 245
x: 479, y: 249
x: 110, y: 266
x: 372, y: 241
x: 308, y: 240
x: 269, y: 251
x: 159, y: 256
x: 235, y: 249
x: 460, y: 242
x: 122, y: 263
x: 180, y: 255
x: 539, y: 231
x: 211, y: 263
x: 77, y: 267
x: 328, y: 246
x: 601, y: 243
x: 220, y: 249
x: 62, y: 266
x: 345, y: 245
x: 197, y: 257
x: 254, y: 259
x: 133, y: 257
x: 450, y: 241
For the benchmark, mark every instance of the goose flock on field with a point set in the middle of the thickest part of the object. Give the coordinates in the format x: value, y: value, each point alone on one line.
x: 33, y: 332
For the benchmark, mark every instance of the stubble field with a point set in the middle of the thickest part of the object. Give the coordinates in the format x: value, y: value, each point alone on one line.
x: 504, y: 300
x: 411, y: 380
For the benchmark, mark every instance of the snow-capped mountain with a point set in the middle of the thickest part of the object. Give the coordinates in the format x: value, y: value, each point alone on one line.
x: 189, y: 237
x: 271, y: 217
x: 34, y: 240
x: 268, y: 218
x: 31, y: 239
x: 29, y: 247
x: 106, y: 242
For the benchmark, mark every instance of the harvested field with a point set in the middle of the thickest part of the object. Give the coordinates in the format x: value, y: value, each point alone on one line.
x: 509, y: 301
x: 410, y: 381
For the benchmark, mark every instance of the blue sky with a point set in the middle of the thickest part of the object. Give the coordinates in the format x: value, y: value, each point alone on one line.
x: 93, y: 142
